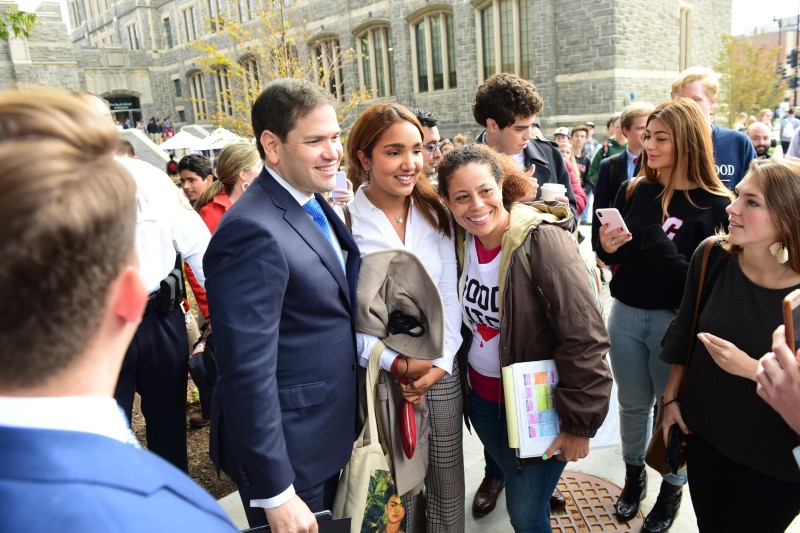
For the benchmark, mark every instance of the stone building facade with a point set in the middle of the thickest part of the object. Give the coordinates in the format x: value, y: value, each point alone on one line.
x: 589, y: 59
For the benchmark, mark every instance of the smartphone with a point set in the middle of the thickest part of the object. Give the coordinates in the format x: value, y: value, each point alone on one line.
x: 612, y: 217
x: 791, y: 319
x: 675, y: 444
x: 341, y: 180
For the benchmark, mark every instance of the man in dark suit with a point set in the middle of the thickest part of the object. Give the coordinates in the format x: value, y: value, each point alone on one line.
x: 506, y: 106
x: 281, y: 274
x: 74, y: 297
x: 617, y: 169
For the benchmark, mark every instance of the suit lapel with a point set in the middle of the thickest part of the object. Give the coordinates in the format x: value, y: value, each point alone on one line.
x: 349, y: 247
x: 298, y: 219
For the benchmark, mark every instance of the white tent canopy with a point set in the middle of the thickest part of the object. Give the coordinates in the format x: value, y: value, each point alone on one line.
x: 182, y: 140
x: 219, y: 139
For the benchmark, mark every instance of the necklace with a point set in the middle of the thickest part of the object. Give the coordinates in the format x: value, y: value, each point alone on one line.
x: 400, y: 219
x: 785, y: 270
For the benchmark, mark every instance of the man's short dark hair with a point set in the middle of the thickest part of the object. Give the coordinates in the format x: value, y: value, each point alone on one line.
x: 282, y: 103
x: 67, y: 221
x: 426, y: 118
x: 199, y: 164
x: 504, y: 98
x: 612, y: 120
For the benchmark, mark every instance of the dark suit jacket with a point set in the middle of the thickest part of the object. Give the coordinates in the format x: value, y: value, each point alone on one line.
x: 284, y: 407
x: 71, y: 481
x: 612, y: 174
x: 550, y: 168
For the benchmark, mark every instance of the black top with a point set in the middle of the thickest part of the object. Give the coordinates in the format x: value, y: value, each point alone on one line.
x: 722, y: 408
x: 651, y: 268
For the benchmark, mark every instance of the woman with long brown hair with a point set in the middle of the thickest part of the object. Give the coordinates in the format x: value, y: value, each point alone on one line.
x: 395, y: 206
x: 739, y: 451
x: 674, y: 204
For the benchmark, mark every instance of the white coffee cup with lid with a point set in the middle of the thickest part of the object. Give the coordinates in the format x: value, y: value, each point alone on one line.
x: 551, y: 190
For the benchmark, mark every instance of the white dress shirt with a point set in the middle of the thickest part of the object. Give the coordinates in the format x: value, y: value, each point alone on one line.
x: 87, y: 414
x: 302, y: 199
x: 165, y: 223
x: 373, y: 232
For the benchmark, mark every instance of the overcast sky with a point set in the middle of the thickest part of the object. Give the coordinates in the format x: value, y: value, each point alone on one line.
x: 749, y: 14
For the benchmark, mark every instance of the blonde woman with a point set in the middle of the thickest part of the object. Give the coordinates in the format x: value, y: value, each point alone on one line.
x: 237, y: 166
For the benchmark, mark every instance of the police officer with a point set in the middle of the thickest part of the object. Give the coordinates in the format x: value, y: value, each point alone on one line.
x: 156, y: 363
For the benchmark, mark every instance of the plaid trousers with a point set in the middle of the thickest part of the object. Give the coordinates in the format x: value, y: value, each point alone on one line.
x: 440, y: 506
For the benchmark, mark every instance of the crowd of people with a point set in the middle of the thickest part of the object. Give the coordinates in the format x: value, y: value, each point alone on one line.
x: 273, y: 259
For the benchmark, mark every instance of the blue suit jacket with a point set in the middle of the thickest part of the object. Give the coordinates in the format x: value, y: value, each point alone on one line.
x: 283, y: 313
x: 70, y: 481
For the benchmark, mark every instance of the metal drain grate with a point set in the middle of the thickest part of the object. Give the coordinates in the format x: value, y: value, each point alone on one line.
x: 590, y: 506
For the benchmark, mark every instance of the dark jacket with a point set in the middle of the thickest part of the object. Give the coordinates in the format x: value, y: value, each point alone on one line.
x: 550, y: 314
x: 550, y: 168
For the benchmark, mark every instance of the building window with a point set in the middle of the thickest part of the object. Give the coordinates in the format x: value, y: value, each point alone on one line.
x: 181, y: 115
x: 433, y: 52
x: 375, y: 61
x: 75, y: 13
x: 251, y: 69
x: 215, y: 10
x: 168, y: 32
x: 198, y: 95
x: 685, y: 49
x: 247, y: 9
x: 328, y: 67
x: 133, y: 37
x: 176, y: 83
x: 505, y: 31
x: 190, y: 24
x: 222, y: 87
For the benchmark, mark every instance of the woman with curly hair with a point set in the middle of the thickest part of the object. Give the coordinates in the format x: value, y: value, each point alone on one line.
x: 514, y: 312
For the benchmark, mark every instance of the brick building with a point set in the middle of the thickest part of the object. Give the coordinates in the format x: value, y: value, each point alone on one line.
x: 587, y: 58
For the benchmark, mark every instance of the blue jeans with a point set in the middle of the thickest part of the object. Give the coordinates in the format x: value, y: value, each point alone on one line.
x: 527, y: 494
x: 640, y: 375
x: 587, y: 212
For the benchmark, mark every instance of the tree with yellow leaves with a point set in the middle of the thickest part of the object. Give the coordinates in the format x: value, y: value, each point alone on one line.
x: 265, y: 49
x: 750, y: 78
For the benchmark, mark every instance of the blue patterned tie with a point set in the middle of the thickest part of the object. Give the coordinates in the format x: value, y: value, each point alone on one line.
x: 314, y: 210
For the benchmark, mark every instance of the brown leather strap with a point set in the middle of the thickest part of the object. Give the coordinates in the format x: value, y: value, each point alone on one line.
x: 693, y: 331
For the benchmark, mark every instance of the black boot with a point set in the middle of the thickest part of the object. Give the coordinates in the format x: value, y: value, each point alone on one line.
x: 665, y: 510
x: 632, y: 493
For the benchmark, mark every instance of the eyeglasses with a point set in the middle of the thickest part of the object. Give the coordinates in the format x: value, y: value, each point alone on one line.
x: 432, y: 147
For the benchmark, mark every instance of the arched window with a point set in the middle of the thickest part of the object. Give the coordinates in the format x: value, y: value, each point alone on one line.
x: 376, y: 61
x: 505, y: 32
x: 222, y: 86
x: 198, y: 95
x: 433, y: 52
x: 328, y: 66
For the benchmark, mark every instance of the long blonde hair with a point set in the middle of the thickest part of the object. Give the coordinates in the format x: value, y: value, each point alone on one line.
x: 693, y: 152
x: 232, y: 160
